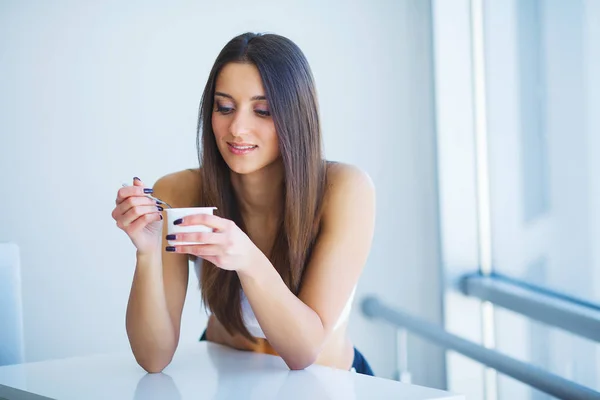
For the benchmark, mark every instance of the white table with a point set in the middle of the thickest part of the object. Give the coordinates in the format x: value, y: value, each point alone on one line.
x: 199, y: 371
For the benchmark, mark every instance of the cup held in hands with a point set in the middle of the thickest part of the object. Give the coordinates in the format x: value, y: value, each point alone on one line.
x: 174, y: 214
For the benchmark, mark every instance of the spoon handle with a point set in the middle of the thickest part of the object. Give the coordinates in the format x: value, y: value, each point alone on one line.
x: 159, y: 201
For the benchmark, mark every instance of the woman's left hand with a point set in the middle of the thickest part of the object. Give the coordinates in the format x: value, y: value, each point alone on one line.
x: 227, y: 246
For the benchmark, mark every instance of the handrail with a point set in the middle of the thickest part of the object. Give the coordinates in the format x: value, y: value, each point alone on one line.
x: 544, y: 381
x: 556, y: 309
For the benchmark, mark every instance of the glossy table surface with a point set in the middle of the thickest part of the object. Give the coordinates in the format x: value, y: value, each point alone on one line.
x: 199, y: 371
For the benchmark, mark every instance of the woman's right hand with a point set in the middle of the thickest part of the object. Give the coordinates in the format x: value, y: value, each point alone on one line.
x: 139, y: 217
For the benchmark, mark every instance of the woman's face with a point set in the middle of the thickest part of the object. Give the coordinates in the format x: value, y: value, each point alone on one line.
x: 241, y: 120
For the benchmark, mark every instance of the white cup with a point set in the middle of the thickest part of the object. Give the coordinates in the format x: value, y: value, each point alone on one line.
x: 174, y: 214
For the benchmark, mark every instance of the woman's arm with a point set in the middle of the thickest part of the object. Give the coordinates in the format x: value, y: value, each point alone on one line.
x: 159, y: 288
x: 154, y: 310
x: 298, y: 327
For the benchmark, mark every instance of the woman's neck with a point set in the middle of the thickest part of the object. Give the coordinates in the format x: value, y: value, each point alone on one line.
x: 260, y: 194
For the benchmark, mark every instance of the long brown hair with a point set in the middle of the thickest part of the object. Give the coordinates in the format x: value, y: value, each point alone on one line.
x: 290, y: 92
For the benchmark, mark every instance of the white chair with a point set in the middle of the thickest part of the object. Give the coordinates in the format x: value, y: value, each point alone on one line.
x: 11, y: 315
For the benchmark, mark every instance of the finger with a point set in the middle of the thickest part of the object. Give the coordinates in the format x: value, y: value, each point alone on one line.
x: 137, y: 182
x: 131, y: 202
x: 212, y: 221
x: 136, y: 212
x: 129, y: 191
x: 199, y: 237
x: 144, y: 220
x: 200, y: 250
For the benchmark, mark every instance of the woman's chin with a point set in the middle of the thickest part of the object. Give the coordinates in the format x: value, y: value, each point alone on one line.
x: 248, y: 168
x: 248, y: 165
x: 243, y: 168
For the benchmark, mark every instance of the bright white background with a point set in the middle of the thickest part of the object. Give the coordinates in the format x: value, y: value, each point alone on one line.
x: 93, y: 94
x: 543, y: 71
x: 542, y: 62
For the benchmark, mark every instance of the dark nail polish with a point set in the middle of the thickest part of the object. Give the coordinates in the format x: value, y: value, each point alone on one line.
x: 170, y: 248
x: 177, y: 221
x: 170, y: 237
x: 158, y: 202
x: 135, y: 178
x: 161, y: 217
x: 148, y: 190
x: 160, y: 208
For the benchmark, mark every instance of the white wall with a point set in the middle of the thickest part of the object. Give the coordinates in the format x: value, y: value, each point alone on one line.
x: 92, y: 94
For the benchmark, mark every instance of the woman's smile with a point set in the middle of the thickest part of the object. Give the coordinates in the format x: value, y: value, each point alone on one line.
x: 241, y: 149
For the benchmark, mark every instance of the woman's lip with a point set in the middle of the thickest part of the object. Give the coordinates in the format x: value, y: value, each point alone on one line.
x: 240, y: 144
x: 235, y: 149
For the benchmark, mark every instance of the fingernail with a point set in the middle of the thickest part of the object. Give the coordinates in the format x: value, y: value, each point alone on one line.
x: 161, y: 216
x: 171, y: 237
x: 135, y: 178
x: 170, y: 248
x: 148, y: 190
x: 157, y: 202
x: 160, y: 208
x: 178, y: 221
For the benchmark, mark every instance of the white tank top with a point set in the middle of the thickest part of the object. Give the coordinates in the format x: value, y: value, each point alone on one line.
x: 250, y: 319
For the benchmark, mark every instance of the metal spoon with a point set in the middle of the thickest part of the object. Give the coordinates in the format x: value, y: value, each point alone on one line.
x: 159, y: 201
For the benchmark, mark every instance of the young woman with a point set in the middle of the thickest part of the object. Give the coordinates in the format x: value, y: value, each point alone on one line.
x: 292, y: 231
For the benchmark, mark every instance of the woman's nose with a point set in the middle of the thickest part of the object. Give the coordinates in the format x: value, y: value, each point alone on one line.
x: 241, y: 125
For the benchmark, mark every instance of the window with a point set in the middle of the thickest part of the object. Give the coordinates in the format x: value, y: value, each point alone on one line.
x: 518, y: 115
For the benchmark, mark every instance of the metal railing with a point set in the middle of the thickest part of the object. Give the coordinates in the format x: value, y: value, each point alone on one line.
x: 556, y: 309
x: 538, y: 378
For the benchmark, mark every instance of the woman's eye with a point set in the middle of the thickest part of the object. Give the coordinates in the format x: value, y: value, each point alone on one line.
x: 224, y: 110
x: 263, y: 113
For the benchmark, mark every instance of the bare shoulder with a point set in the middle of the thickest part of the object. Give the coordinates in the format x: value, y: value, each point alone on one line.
x: 342, y: 177
x: 347, y: 186
x: 179, y: 189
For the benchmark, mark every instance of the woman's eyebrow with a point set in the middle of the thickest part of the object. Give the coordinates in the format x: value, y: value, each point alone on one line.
x: 253, y: 98
x: 224, y: 95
